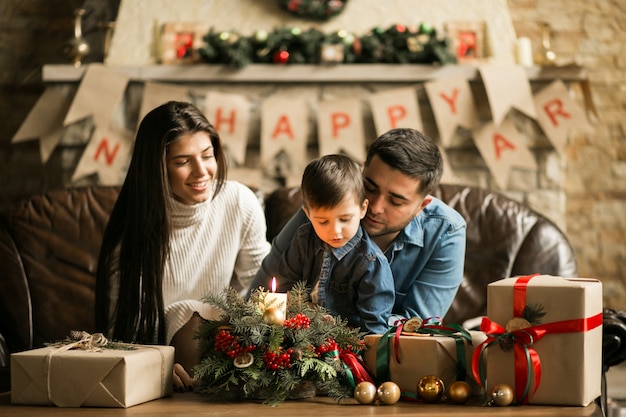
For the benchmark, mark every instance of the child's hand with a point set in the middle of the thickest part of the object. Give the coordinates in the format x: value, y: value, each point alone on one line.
x: 182, y: 381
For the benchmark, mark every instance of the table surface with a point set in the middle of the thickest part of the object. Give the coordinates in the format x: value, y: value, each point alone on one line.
x: 192, y: 404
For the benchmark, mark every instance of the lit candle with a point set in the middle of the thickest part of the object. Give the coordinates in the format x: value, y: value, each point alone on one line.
x: 274, y: 299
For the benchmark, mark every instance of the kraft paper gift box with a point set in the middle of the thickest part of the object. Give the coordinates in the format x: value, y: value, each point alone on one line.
x: 422, y: 355
x: 83, y: 378
x: 570, y: 350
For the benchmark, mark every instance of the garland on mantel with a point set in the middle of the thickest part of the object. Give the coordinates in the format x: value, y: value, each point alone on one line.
x: 313, y: 9
x: 398, y: 44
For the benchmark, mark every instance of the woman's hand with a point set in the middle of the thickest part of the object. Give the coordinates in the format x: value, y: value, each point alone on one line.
x: 182, y: 381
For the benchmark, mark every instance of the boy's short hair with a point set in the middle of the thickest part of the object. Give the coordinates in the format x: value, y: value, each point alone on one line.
x: 327, y: 181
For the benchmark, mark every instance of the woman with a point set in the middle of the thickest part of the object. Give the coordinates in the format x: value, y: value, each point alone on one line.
x: 179, y: 230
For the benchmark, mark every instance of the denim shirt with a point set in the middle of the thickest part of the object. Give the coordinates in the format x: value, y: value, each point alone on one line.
x: 426, y: 259
x: 359, y: 286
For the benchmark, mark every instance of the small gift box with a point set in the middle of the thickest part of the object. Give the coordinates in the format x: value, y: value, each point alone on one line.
x: 411, y: 356
x: 544, y: 339
x: 66, y: 377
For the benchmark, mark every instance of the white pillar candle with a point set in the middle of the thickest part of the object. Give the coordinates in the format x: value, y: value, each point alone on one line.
x: 524, y: 52
x: 274, y: 299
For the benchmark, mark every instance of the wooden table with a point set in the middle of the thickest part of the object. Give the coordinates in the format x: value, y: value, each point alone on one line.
x: 191, y: 404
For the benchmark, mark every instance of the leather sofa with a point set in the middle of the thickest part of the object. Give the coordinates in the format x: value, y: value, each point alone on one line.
x: 49, y: 249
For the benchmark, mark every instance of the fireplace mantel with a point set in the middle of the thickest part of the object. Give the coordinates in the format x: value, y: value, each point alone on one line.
x: 345, y: 73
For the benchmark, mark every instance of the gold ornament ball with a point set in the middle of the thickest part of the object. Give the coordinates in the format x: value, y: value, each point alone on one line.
x: 365, y: 392
x: 273, y: 316
x: 430, y: 388
x: 459, y: 392
x: 502, y: 395
x: 388, y: 393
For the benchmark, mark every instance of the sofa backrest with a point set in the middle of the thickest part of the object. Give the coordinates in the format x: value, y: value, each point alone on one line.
x: 49, y: 247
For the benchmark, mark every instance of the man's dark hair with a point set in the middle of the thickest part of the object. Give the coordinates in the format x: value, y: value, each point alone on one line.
x: 412, y: 153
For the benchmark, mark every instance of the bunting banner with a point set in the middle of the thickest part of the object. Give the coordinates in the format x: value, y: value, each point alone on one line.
x: 395, y: 108
x: 340, y: 127
x: 558, y: 114
x: 45, y: 121
x: 507, y: 86
x: 155, y: 94
x: 284, y: 133
x: 502, y: 147
x: 230, y: 115
x: 99, y: 94
x: 453, y: 105
x: 106, y: 154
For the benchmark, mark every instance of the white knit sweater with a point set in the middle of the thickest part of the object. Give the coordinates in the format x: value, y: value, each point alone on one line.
x: 210, y: 243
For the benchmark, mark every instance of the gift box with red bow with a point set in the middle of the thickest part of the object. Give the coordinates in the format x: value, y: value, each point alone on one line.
x: 544, y: 339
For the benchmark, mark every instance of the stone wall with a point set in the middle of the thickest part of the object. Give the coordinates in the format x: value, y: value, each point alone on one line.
x: 584, y: 193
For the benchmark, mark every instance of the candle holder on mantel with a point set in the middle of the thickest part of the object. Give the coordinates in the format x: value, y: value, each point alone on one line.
x: 77, y: 48
x: 546, y: 57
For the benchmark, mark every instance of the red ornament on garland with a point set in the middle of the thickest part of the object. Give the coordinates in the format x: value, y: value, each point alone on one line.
x: 280, y: 57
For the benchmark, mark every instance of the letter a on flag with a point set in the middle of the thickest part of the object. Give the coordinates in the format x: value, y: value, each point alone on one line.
x: 502, y: 148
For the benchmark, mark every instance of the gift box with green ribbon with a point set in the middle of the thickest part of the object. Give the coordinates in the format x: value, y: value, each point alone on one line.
x: 410, y: 351
x: 544, y: 339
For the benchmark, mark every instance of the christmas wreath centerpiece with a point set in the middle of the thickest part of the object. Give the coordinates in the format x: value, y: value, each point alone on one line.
x: 313, y: 9
x: 254, y: 352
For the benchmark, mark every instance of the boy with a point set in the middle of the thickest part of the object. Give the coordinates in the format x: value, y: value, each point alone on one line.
x: 349, y: 274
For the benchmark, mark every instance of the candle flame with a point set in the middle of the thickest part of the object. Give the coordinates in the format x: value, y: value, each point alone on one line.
x: 273, y: 285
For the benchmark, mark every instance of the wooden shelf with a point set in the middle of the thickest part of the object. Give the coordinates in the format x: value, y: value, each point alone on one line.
x: 345, y: 73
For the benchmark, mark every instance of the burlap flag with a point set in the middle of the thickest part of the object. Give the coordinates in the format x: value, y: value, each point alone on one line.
x: 45, y: 120
x: 340, y: 128
x: 155, y: 94
x: 107, y: 155
x: 395, y: 108
x: 448, y: 176
x: 453, y: 105
x: 99, y: 94
x: 558, y: 114
x: 230, y: 114
x: 507, y: 86
x: 284, y: 133
x: 502, y: 148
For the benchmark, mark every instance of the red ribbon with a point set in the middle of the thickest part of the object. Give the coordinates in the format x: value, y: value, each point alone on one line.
x: 527, y: 360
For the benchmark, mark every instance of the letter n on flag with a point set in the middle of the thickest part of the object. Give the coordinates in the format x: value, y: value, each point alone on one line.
x: 395, y: 108
x: 340, y: 128
x: 107, y: 155
x: 502, y: 148
x: 558, y: 114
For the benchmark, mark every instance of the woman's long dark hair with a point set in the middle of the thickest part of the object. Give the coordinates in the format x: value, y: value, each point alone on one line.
x: 135, y: 244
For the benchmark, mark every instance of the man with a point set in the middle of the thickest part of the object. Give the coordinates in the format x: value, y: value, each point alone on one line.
x: 422, y: 238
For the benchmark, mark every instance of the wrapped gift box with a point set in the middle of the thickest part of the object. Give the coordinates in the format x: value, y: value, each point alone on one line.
x: 422, y: 355
x: 104, y: 378
x: 571, y: 361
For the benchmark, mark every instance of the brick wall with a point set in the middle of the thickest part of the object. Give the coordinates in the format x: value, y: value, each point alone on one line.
x: 592, y: 177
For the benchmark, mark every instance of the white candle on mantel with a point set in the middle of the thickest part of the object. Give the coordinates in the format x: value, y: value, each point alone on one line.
x: 275, y: 299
